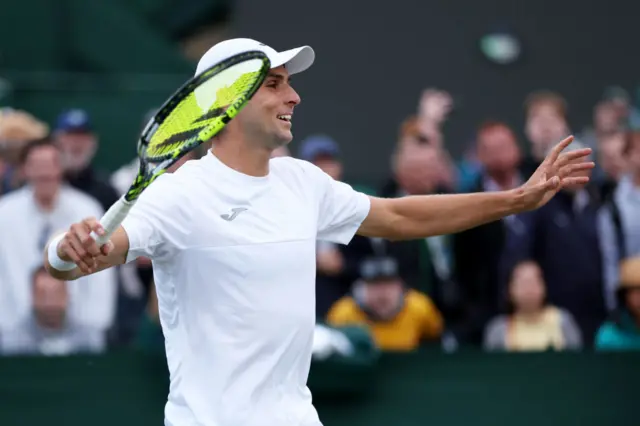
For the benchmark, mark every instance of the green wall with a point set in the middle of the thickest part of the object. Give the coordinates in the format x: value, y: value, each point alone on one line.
x: 404, y: 390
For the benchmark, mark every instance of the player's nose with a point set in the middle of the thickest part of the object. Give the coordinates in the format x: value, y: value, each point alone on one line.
x: 292, y: 97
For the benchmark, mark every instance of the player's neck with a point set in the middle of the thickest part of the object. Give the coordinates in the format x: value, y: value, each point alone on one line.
x: 242, y: 157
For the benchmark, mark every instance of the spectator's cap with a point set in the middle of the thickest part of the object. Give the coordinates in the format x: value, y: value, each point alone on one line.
x: 318, y: 145
x: 378, y: 268
x: 630, y: 273
x: 295, y: 60
x: 74, y: 120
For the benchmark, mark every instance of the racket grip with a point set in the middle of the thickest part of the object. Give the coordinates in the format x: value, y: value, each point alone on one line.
x: 112, y: 219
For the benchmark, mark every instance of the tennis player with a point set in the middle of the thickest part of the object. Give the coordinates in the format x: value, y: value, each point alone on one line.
x: 232, y: 237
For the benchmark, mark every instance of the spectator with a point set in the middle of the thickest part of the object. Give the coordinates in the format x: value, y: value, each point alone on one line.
x: 546, y: 124
x: 622, y: 330
x: 332, y: 281
x: 400, y: 318
x: 562, y: 238
x: 611, y: 163
x: 16, y: 128
x: 619, y: 221
x: 477, y: 251
x: 425, y: 264
x: 607, y: 120
x: 30, y: 217
x: 52, y: 328
x: 532, y: 324
x: 78, y: 143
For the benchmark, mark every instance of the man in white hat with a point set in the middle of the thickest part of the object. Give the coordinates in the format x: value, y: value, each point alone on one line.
x: 232, y: 237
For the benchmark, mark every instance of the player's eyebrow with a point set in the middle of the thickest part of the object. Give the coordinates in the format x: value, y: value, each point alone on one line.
x: 278, y: 77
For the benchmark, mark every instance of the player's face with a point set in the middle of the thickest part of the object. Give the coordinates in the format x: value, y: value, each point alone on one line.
x: 267, y: 118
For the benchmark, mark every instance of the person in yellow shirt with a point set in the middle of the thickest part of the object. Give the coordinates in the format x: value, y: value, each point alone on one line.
x: 400, y: 319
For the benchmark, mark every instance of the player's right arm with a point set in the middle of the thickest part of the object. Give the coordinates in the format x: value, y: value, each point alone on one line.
x: 79, y: 247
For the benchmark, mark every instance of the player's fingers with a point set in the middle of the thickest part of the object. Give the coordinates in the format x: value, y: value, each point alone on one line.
x: 79, y: 255
x: 107, y: 248
x: 94, y: 225
x: 573, y: 156
x: 555, y: 152
x: 81, y: 232
x: 570, y: 169
x: 551, y: 184
x: 577, y: 180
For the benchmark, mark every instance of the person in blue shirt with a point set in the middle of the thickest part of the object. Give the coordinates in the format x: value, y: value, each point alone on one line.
x: 622, y: 331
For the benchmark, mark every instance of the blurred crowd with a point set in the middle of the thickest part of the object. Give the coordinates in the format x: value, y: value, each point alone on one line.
x: 564, y: 277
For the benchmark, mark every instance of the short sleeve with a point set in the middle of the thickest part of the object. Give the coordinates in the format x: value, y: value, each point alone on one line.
x: 342, y: 209
x: 153, y: 225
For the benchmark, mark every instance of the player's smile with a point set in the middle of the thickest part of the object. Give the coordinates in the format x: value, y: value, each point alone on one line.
x: 286, y: 118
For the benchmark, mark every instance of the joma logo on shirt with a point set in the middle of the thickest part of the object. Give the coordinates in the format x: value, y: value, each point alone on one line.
x: 234, y: 213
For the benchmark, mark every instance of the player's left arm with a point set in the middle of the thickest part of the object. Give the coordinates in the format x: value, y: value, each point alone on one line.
x: 423, y: 216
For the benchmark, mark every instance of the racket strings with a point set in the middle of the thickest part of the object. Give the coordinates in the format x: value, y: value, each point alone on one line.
x: 198, y: 111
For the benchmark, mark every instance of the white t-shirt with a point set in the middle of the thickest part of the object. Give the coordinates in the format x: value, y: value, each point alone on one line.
x: 237, y: 296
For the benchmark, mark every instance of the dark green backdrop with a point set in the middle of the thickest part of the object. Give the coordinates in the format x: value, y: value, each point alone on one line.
x: 407, y: 390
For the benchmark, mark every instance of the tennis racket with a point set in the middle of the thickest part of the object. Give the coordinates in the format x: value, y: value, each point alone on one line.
x: 191, y: 116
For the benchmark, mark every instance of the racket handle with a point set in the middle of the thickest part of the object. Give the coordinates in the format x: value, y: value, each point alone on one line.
x: 112, y: 219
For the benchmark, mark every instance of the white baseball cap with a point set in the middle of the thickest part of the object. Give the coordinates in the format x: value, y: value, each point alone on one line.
x: 295, y: 60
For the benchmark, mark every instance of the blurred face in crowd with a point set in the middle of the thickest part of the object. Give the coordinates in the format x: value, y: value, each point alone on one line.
x: 384, y: 296
x: 330, y: 165
x: 545, y: 127
x: 498, y: 151
x: 50, y: 300
x: 527, y: 288
x: 43, y: 170
x: 418, y: 169
x: 611, y: 156
x: 606, y: 117
x: 633, y: 151
x: 78, y: 149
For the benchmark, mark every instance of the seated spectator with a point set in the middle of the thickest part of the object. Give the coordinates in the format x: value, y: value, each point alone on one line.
x: 30, y: 217
x: 400, y: 318
x: 533, y: 324
x: 619, y: 219
x: 52, y: 329
x: 622, y: 331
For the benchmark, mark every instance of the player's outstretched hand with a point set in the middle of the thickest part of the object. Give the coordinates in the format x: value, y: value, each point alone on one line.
x: 559, y: 170
x: 79, y: 247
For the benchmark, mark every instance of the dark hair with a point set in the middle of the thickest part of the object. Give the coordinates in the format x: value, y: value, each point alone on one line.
x: 35, y: 144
